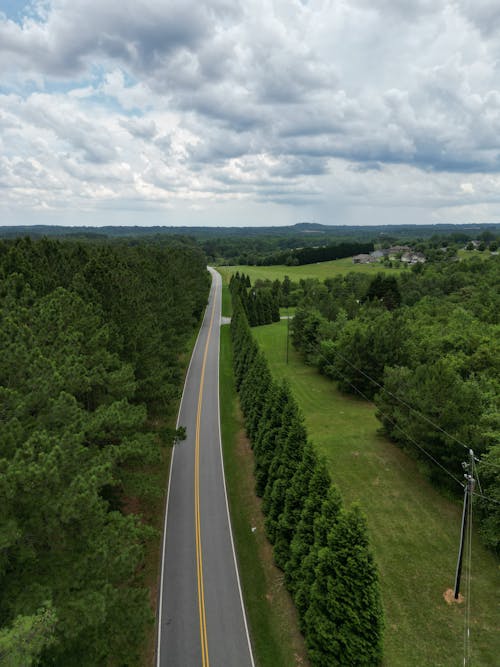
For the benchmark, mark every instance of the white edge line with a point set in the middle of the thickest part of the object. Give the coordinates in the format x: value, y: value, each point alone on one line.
x: 227, y: 504
x: 160, y: 597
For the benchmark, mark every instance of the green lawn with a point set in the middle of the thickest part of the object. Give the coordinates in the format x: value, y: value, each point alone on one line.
x: 271, y: 615
x: 321, y: 270
x: 414, y: 530
x: 287, y: 312
x: 227, y: 306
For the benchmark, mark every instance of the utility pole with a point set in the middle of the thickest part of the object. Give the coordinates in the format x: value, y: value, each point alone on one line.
x: 468, y: 491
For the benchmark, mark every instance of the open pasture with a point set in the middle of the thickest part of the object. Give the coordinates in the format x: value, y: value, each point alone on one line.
x: 414, y: 529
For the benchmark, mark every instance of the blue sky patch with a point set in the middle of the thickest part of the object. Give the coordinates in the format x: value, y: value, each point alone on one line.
x: 15, y: 9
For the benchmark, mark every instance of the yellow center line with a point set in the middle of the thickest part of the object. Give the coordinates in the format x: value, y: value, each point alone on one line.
x: 199, y: 555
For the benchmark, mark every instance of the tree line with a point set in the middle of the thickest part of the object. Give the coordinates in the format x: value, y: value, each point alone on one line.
x: 90, y: 337
x: 321, y: 546
x: 261, y: 306
x: 320, y: 253
x: 425, y: 347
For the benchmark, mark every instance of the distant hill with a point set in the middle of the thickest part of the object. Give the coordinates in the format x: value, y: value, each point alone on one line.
x: 300, y: 229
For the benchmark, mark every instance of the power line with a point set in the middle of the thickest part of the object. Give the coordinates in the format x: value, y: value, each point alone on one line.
x: 407, y: 405
x: 490, y: 464
x: 402, y: 401
x: 490, y: 500
x: 410, y: 438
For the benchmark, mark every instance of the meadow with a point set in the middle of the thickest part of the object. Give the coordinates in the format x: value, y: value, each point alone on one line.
x: 321, y: 270
x: 414, y: 529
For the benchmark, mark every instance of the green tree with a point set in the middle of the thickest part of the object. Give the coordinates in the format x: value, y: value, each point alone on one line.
x: 344, y: 621
x: 324, y: 521
x: 268, y: 434
x: 283, y: 470
x: 438, y: 392
x: 296, y: 493
x: 303, y: 537
x: 385, y: 290
x: 23, y: 643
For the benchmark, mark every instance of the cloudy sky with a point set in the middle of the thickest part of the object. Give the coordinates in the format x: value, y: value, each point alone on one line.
x: 249, y: 111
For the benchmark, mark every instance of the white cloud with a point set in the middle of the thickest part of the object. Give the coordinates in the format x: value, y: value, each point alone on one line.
x: 174, y: 104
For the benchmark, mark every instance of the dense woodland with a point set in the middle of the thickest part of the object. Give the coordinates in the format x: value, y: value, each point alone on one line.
x: 322, y: 547
x: 90, y: 337
x: 425, y: 342
x: 293, y: 245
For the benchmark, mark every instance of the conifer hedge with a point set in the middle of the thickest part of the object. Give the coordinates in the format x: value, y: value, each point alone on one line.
x: 261, y: 305
x: 322, y: 548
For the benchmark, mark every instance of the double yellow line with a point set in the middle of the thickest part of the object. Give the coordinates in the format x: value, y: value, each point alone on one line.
x: 199, y: 555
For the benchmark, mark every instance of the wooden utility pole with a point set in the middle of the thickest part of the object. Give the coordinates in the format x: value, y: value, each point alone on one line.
x: 468, y: 491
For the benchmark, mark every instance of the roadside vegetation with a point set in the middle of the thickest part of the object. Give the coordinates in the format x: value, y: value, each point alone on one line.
x: 272, y: 618
x: 430, y: 337
x: 414, y: 529
x: 90, y: 375
x: 425, y: 349
x: 424, y: 346
x: 321, y: 546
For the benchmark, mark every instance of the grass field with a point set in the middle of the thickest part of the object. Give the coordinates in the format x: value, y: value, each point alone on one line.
x: 321, y: 270
x: 227, y: 306
x: 414, y: 530
x: 273, y: 622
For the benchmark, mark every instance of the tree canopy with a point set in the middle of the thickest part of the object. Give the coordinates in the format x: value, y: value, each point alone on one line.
x: 91, y: 336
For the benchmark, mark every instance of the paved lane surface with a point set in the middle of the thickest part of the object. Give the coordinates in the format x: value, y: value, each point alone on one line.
x: 201, y: 616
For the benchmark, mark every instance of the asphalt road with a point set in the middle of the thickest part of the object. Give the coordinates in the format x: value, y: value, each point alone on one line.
x: 201, y: 619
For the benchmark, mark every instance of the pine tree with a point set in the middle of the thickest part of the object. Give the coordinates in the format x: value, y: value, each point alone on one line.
x: 23, y: 643
x: 282, y: 469
x: 253, y: 393
x: 295, y: 497
x: 343, y: 624
x: 323, y: 523
x: 303, y: 538
x: 288, y: 419
x: 84, y: 332
x: 268, y: 435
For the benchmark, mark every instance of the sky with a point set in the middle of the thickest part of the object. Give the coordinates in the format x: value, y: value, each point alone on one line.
x: 251, y: 112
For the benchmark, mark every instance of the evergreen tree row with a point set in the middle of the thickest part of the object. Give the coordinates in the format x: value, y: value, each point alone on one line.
x: 90, y: 337
x: 321, y: 547
x: 261, y: 305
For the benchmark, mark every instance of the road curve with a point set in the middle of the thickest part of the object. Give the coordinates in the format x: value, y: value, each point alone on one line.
x: 201, y: 617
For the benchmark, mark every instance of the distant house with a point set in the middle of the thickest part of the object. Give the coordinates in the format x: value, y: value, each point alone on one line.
x: 398, y: 250
x: 413, y: 258
x: 363, y: 259
x: 377, y: 254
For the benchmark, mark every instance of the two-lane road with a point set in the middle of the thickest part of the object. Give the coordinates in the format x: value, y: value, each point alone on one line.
x: 201, y: 617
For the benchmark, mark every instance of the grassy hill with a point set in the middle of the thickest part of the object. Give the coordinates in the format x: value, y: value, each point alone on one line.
x: 414, y: 529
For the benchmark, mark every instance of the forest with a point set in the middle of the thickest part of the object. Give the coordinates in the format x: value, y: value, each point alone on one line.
x: 423, y: 345
x: 91, y: 335
x: 297, y: 244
